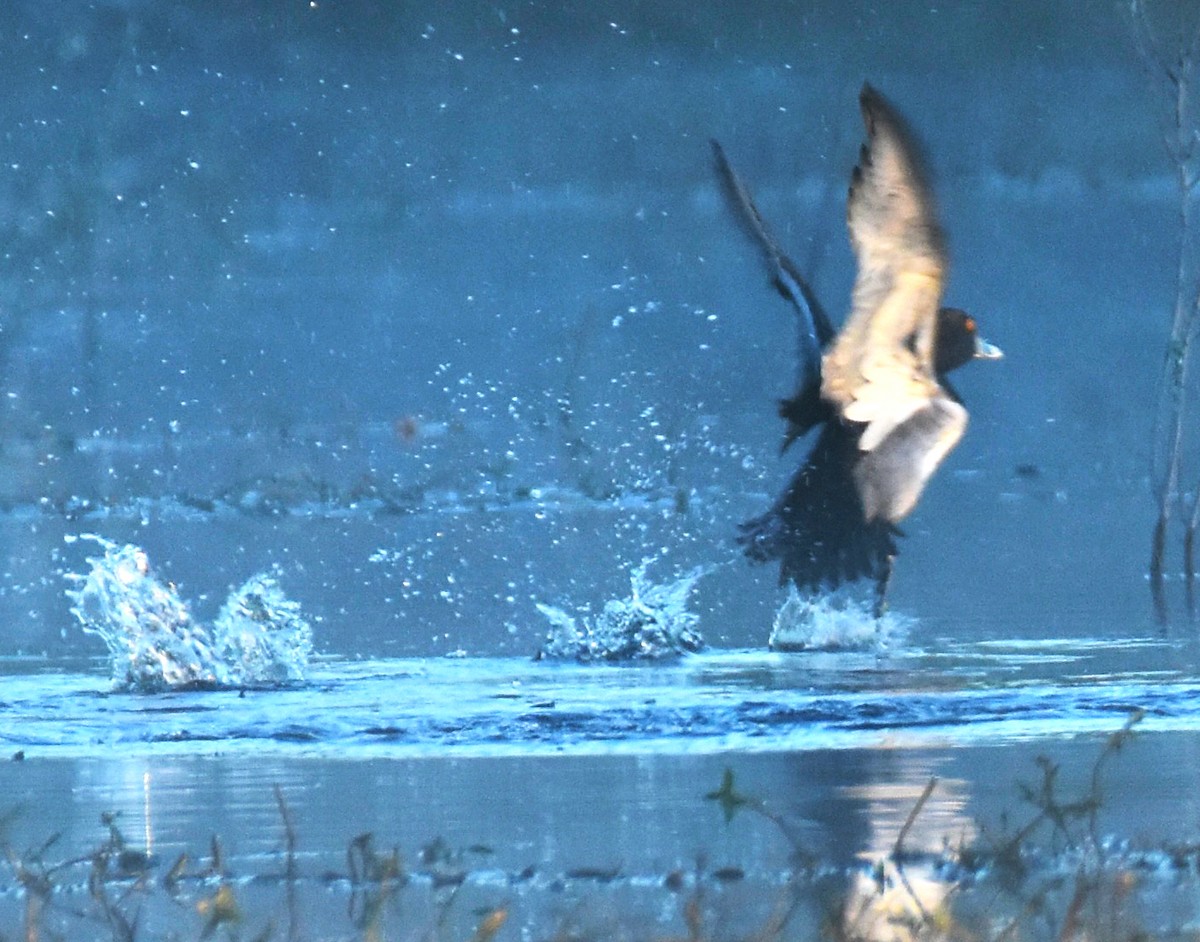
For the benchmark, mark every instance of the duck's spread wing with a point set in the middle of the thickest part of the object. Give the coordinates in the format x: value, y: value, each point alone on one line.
x: 784, y: 275
x: 805, y: 408
x: 880, y: 370
x: 891, y: 476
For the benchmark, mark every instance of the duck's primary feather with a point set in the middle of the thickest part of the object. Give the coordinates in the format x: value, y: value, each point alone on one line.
x: 880, y: 370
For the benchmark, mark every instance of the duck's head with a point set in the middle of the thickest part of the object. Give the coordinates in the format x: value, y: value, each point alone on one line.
x: 958, y: 341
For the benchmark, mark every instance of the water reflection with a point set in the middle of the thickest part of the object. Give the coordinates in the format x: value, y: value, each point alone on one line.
x: 899, y: 888
x: 540, y: 800
x: 854, y: 842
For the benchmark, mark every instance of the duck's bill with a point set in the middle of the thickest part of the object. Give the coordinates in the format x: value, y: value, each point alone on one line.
x: 987, y: 351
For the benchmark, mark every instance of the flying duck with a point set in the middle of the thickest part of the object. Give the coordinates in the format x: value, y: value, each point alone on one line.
x: 876, y: 388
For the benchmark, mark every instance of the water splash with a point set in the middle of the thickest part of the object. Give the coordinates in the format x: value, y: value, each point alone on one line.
x: 833, y: 623
x: 652, y: 624
x: 263, y: 633
x: 154, y: 643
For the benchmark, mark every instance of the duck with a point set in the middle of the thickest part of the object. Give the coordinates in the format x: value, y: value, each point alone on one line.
x: 876, y: 389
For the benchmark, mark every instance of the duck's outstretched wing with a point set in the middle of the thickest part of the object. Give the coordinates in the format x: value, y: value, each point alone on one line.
x: 805, y: 408
x: 892, y: 475
x: 880, y: 370
x: 785, y: 277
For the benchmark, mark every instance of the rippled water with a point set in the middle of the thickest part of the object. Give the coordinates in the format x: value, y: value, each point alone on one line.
x: 710, y: 702
x: 560, y: 795
x: 220, y: 777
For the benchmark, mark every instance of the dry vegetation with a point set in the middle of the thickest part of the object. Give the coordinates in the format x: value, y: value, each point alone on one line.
x: 1046, y: 873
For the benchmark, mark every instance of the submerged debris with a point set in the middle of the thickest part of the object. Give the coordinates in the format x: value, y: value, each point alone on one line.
x: 832, y: 623
x: 652, y: 624
x: 259, y: 637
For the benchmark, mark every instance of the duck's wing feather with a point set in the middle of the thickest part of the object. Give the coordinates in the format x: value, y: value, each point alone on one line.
x: 785, y: 277
x: 805, y: 408
x: 892, y: 475
x: 880, y: 369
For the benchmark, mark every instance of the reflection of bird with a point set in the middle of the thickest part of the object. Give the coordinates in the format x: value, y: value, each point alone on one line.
x: 877, y: 389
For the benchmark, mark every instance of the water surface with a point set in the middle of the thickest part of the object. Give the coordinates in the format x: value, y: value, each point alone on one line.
x: 558, y: 792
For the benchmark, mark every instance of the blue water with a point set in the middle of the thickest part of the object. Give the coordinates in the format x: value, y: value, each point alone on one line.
x: 552, y: 791
x: 567, y: 794
x: 713, y: 702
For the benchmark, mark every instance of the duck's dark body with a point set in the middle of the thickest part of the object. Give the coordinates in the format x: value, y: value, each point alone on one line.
x: 816, y: 529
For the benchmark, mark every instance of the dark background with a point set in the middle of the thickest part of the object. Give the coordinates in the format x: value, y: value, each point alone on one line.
x: 437, y: 307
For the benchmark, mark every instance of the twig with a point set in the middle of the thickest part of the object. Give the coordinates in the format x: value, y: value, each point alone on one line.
x: 1070, y: 926
x: 290, y: 870
x: 289, y: 834
x: 898, y: 848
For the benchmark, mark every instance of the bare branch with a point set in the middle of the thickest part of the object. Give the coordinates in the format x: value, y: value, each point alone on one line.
x: 1171, y: 59
x: 1148, y: 48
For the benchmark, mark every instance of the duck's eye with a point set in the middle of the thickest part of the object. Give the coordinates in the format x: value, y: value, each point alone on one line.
x: 969, y: 323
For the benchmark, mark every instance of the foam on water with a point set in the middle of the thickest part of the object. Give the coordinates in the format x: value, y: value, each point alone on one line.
x: 259, y: 638
x: 652, y: 624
